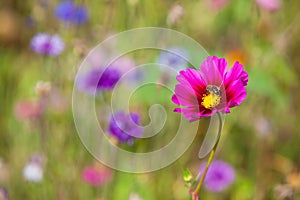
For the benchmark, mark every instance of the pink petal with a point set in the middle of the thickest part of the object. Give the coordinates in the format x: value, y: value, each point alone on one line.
x: 269, y: 5
x: 235, y: 94
x: 237, y: 72
x: 213, y: 70
x: 175, y: 99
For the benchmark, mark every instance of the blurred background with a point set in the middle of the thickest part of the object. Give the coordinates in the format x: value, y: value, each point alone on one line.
x: 42, y: 43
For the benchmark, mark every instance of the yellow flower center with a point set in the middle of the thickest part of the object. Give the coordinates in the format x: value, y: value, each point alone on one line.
x: 210, y: 100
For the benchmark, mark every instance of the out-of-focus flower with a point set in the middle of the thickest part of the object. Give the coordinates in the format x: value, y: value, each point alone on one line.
x: 29, y: 22
x: 57, y: 101
x: 125, y: 126
x: 33, y: 171
x: 123, y: 64
x: 97, y: 80
x: 284, y: 192
x: 45, y: 44
x: 27, y: 110
x: 175, y: 14
x: 220, y: 176
x: 262, y: 126
x: 174, y: 57
x: 269, y: 5
x: 214, y: 88
x: 293, y: 180
x: 96, y: 176
x: 217, y: 5
x: 234, y: 55
x: 69, y: 12
x: 109, y: 79
x: 134, y: 196
x: 3, y: 194
x: 42, y: 88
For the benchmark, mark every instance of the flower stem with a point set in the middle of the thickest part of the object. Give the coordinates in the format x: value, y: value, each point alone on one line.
x: 211, y: 156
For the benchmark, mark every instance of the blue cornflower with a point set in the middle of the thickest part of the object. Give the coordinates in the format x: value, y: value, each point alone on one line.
x: 69, y: 12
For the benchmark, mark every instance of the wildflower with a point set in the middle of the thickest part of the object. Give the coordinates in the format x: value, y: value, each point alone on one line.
x: 27, y: 110
x: 125, y: 126
x: 69, y: 12
x: 3, y: 194
x: 215, y: 88
x: 235, y: 54
x: 33, y: 171
x: 269, y: 5
x: 134, y: 196
x: 263, y: 126
x: 175, y: 14
x: 45, y: 44
x: 219, y: 176
x: 284, y: 191
x: 217, y: 5
x: 97, y: 79
x: 42, y: 88
x: 96, y: 176
x: 174, y: 57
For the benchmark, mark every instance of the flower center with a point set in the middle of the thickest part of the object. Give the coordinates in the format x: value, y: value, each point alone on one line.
x: 212, y: 97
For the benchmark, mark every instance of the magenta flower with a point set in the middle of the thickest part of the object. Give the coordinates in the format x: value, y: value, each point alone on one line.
x: 219, y: 176
x: 213, y: 89
x: 43, y: 43
x: 96, y: 176
x: 269, y: 5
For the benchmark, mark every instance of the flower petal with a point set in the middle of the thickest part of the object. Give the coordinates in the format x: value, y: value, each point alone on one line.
x: 214, y: 69
x: 235, y: 94
x: 236, y: 73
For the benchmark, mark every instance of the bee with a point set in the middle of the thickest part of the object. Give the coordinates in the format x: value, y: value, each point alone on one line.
x: 212, y: 89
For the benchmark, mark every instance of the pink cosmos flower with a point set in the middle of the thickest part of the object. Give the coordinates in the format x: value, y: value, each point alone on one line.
x: 96, y: 176
x: 269, y: 5
x: 213, y: 89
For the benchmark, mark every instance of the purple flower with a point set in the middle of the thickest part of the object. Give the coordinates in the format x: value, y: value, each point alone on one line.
x: 4, y: 193
x: 220, y: 175
x: 43, y: 43
x: 96, y: 80
x: 174, y: 57
x: 109, y: 79
x: 69, y: 12
x: 125, y: 126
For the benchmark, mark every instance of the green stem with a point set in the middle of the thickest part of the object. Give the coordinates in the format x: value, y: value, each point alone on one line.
x: 211, y: 156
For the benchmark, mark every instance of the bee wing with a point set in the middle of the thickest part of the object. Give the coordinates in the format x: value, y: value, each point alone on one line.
x: 211, y: 136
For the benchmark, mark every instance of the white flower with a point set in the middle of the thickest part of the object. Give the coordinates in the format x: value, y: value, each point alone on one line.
x: 134, y: 196
x: 33, y: 172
